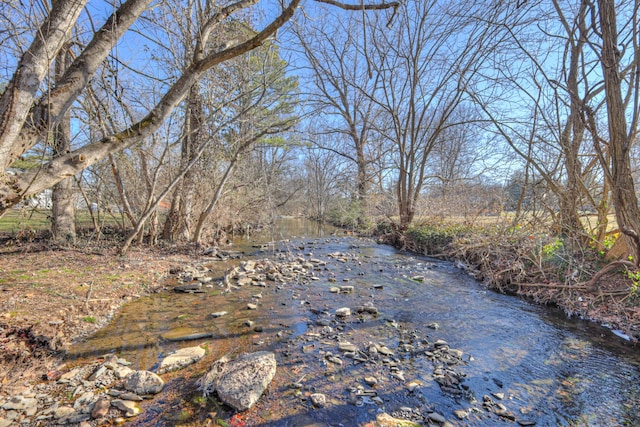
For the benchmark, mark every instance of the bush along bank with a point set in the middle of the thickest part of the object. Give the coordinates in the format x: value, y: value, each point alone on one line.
x: 544, y: 268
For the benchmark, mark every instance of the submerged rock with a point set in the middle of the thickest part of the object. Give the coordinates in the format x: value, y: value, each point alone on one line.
x: 184, y: 334
x: 241, y: 382
x: 318, y: 400
x: 180, y: 359
x: 386, y: 420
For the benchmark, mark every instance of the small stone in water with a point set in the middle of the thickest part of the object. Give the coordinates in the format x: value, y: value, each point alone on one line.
x: 347, y: 347
x: 434, y: 416
x: 343, y: 312
x: 461, y: 414
x: 251, y: 306
x: 216, y: 314
x: 318, y: 400
x: 370, y: 381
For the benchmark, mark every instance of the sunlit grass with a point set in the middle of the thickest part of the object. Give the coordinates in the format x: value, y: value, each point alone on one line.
x: 17, y: 220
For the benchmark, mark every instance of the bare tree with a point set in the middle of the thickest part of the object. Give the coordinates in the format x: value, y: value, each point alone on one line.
x: 424, y: 67
x: 343, y: 81
x: 25, y: 113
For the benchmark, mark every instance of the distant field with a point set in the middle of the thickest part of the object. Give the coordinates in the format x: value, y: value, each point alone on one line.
x: 18, y: 219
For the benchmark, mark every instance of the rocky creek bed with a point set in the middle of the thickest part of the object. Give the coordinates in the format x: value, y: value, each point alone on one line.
x: 331, y: 332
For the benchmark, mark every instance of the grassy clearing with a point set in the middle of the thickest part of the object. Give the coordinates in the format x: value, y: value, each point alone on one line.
x: 22, y: 220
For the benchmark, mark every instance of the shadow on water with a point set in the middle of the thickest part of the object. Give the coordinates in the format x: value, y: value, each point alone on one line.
x: 547, y: 368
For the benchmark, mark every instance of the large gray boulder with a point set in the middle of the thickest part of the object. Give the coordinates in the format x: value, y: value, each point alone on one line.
x: 241, y: 382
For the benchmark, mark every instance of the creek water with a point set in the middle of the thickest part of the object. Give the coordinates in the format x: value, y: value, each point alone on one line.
x: 547, y: 369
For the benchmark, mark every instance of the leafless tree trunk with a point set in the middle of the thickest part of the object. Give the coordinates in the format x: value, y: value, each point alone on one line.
x: 621, y: 135
x: 63, y: 210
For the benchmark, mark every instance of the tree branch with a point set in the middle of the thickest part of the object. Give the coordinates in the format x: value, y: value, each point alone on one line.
x: 357, y: 7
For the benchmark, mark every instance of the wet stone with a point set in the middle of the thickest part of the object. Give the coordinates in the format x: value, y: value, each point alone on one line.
x: 129, y: 407
x: 130, y: 396
x: 318, y: 400
x: 216, y: 314
x: 181, y: 358
x: 184, y: 334
x: 343, y: 312
x: 323, y: 321
x: 461, y: 414
x: 434, y: 416
x: 347, y: 347
x: 370, y: 381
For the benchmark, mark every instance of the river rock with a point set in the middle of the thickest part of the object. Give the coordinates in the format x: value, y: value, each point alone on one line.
x: 64, y: 412
x: 386, y: 420
x: 189, y: 288
x: 216, y: 314
x: 144, y: 382
x: 367, y: 309
x: 101, y: 408
x: 241, y: 382
x: 343, y: 312
x: 184, y: 334
x: 318, y: 400
x: 129, y: 408
x: 347, y: 347
x: 370, y: 381
x: 180, y: 359
x: 436, y: 417
x: 122, y: 371
x: 20, y: 403
x: 461, y: 414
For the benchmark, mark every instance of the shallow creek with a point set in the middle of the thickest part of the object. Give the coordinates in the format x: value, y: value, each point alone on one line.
x: 542, y: 367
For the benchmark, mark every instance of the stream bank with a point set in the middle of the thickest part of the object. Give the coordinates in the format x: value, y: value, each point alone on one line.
x: 538, y: 267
